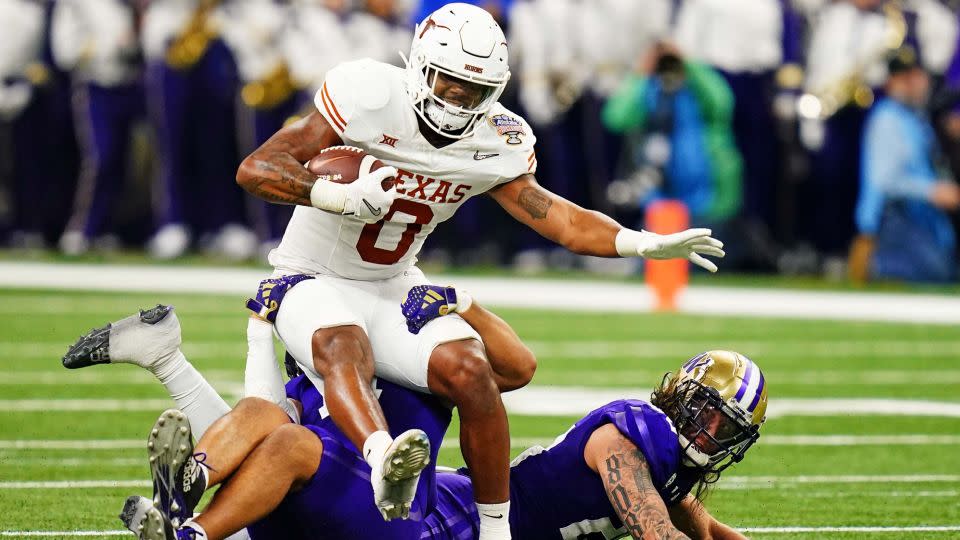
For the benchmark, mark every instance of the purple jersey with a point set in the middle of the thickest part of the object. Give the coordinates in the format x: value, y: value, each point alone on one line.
x: 338, y: 502
x: 553, y: 493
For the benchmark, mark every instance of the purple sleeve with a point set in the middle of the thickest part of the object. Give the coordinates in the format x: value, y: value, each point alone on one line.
x: 653, y: 434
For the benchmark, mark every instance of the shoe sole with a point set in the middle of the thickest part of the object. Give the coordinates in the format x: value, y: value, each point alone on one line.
x: 410, y: 455
x: 169, y: 445
x: 93, y: 348
x: 153, y: 526
x: 134, y: 512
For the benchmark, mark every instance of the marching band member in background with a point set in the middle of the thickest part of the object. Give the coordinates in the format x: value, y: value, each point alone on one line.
x: 97, y: 42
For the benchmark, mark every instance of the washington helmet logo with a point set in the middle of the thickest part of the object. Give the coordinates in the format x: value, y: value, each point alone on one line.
x: 508, y: 126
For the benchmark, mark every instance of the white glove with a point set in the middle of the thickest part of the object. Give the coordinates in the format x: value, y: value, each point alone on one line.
x: 366, y: 199
x: 688, y: 244
x: 363, y: 199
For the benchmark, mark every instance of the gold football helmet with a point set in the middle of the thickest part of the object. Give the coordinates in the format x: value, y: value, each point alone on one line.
x: 717, y: 401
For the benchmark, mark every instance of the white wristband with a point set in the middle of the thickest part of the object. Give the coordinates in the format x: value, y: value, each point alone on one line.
x: 464, y: 301
x: 628, y: 242
x: 329, y: 196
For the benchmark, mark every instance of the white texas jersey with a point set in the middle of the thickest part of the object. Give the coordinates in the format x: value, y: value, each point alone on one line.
x: 366, y: 103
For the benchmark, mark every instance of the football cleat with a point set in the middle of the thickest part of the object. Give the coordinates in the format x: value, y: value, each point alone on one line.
x: 178, y: 476
x: 140, y: 339
x: 155, y: 526
x: 395, y: 485
x: 135, y: 512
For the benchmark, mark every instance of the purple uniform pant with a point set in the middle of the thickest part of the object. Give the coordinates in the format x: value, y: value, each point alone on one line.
x: 104, y: 117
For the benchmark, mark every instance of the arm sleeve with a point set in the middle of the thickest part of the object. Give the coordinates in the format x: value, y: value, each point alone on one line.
x: 624, y: 110
x: 651, y: 432
x: 886, y: 156
x: 262, y: 377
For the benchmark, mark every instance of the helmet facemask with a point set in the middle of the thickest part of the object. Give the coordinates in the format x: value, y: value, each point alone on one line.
x: 450, y: 119
x: 457, y: 69
x: 713, y: 434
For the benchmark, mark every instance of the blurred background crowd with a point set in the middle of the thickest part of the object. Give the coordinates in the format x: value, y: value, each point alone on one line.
x: 813, y: 136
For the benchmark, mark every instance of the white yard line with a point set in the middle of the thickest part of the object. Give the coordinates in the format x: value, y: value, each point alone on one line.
x: 579, y: 295
x: 70, y: 444
x: 75, y: 484
x: 784, y: 440
x: 792, y: 530
x: 559, y: 401
x: 572, y: 401
x: 859, y: 492
x: 62, y: 534
x: 685, y: 348
x: 759, y: 481
x: 68, y: 405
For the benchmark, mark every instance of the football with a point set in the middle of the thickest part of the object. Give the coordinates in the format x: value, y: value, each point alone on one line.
x: 344, y: 164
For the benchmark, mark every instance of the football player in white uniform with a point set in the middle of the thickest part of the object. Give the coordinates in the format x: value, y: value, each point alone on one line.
x: 439, y: 127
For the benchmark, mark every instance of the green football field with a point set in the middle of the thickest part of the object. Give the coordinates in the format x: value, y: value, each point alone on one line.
x: 837, y: 459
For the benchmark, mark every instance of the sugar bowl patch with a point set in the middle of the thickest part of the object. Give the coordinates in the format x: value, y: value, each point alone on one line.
x: 508, y: 126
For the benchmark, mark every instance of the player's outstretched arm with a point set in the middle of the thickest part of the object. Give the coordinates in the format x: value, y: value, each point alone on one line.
x: 626, y: 477
x: 588, y: 232
x: 275, y: 172
x: 693, y: 519
x: 512, y: 362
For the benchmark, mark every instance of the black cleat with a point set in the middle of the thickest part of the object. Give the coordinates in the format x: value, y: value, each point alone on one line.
x: 91, y: 349
x: 94, y: 347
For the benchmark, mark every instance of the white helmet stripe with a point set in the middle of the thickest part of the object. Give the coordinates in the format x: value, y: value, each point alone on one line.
x: 753, y: 374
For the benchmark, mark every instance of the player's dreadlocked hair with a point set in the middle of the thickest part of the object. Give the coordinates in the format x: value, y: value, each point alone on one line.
x: 669, y: 398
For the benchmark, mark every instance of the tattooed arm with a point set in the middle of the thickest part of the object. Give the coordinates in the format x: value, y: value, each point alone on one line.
x: 693, y: 519
x: 580, y: 230
x: 626, y: 477
x: 275, y: 172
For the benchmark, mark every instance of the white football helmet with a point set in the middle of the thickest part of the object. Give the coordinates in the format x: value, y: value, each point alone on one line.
x: 463, y: 42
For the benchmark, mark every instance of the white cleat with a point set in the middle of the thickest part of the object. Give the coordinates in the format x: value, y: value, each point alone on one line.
x: 143, y: 339
x: 395, y: 484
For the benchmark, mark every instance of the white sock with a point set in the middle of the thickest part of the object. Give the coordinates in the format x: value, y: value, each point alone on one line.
x: 262, y: 378
x: 191, y: 392
x: 494, y: 521
x: 133, y: 342
x: 195, y: 526
x: 375, y: 447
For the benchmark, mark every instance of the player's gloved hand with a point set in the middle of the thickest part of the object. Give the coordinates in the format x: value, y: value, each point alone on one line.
x: 366, y: 200
x: 270, y: 295
x: 425, y: 303
x: 689, y: 244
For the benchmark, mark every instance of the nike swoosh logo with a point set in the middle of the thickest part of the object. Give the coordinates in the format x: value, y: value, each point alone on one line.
x: 498, y: 516
x: 478, y: 156
x: 374, y: 211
